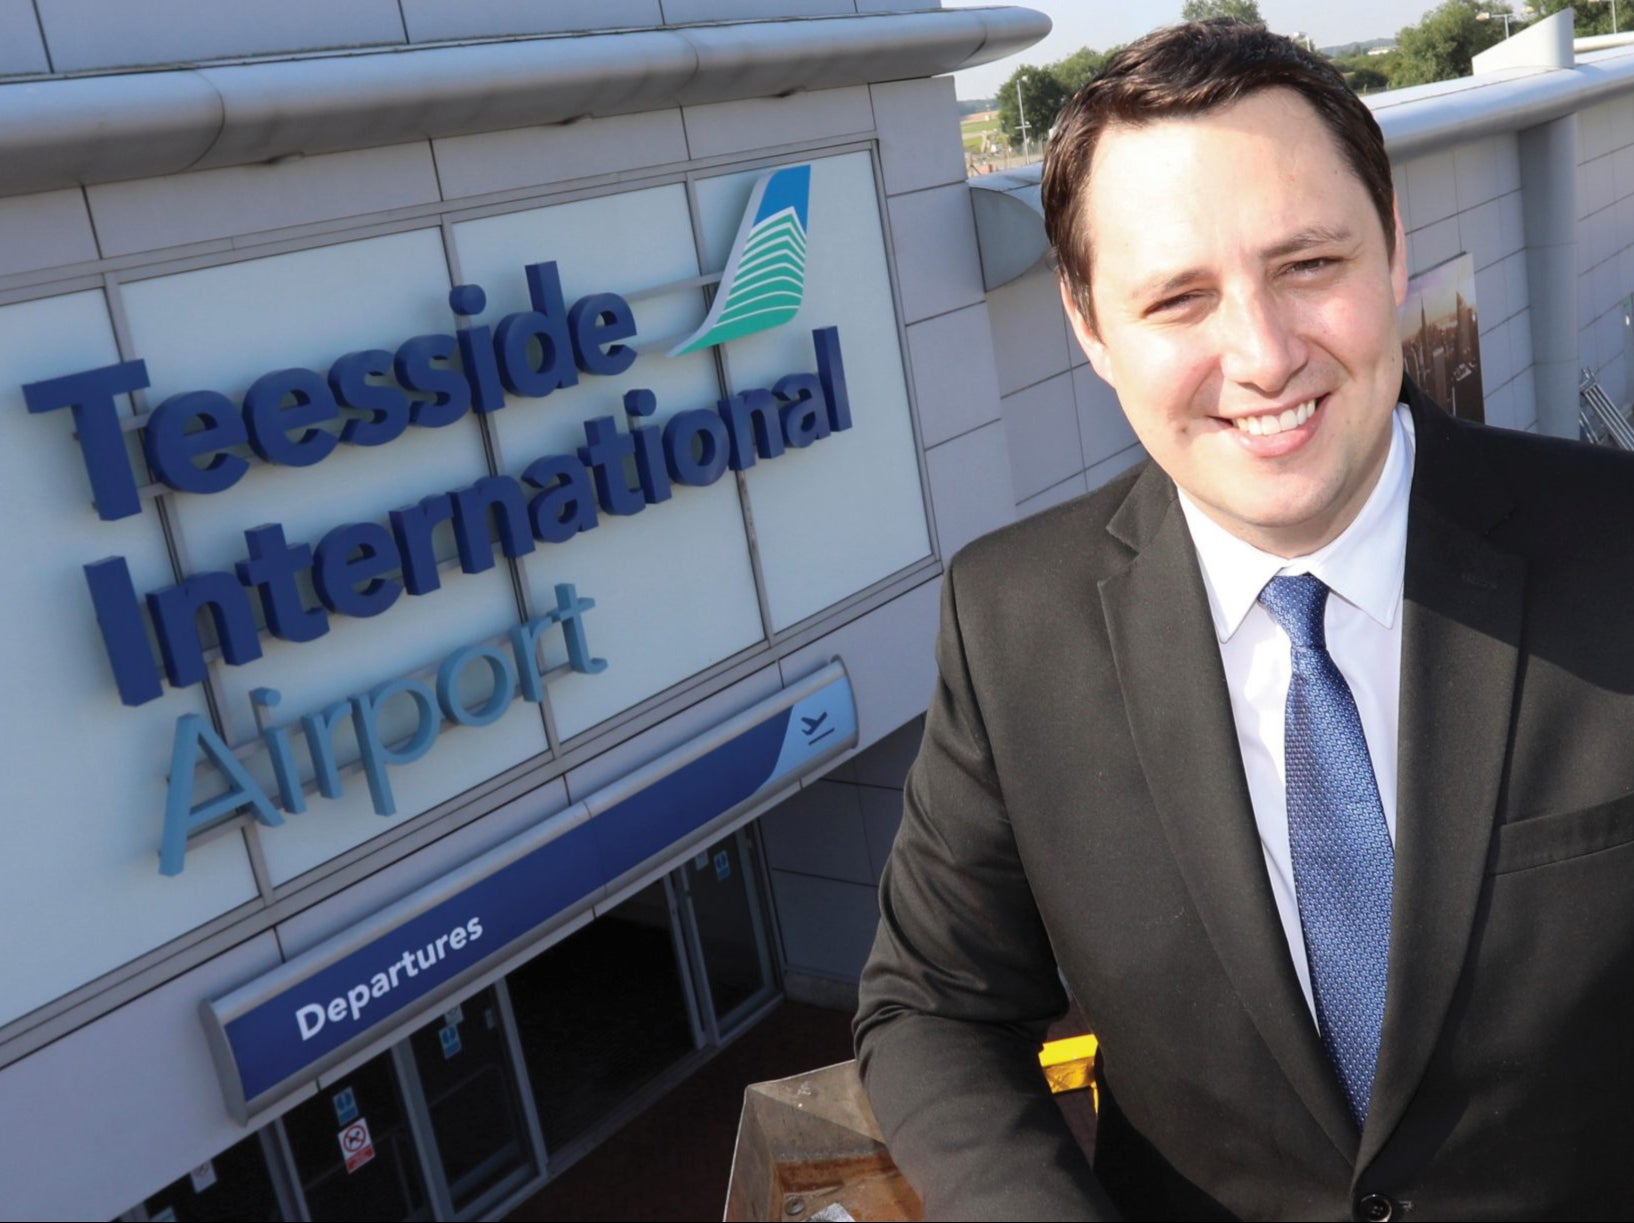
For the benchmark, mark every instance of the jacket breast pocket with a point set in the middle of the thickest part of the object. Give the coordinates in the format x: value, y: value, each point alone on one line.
x: 1542, y: 839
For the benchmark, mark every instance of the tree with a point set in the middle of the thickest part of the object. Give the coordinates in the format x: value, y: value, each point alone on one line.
x: 1442, y: 45
x: 1042, y: 96
x: 1366, y: 73
x: 1082, y: 64
x: 1589, y: 17
x: 1202, y: 10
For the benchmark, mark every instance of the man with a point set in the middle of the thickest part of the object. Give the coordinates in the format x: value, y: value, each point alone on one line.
x: 1299, y: 755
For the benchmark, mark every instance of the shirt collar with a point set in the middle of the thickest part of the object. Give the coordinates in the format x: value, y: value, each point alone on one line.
x: 1363, y: 565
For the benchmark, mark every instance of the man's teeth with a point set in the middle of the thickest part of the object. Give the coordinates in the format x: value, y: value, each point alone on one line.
x: 1268, y: 422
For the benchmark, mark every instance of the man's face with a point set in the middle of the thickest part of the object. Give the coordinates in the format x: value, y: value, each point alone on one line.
x: 1245, y: 311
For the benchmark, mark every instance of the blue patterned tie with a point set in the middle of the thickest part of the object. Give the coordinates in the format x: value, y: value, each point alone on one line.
x: 1344, y: 867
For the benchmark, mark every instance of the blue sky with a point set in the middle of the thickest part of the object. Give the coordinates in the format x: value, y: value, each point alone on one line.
x: 1105, y: 23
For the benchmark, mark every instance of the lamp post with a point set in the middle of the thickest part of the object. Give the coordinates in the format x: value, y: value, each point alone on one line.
x: 1026, y: 145
x: 1525, y: 13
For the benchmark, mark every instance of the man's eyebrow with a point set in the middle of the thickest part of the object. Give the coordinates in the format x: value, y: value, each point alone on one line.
x: 1304, y: 239
x: 1316, y: 235
x: 1156, y: 288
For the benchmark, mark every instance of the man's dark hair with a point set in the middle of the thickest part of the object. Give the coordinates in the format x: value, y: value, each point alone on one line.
x: 1189, y: 70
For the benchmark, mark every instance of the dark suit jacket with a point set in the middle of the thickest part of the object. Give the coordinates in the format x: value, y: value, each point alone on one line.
x: 1079, y: 801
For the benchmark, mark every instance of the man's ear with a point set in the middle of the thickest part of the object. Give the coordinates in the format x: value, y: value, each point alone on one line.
x: 1099, y: 359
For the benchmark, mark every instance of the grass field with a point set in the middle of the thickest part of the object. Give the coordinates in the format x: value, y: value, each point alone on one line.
x: 975, y: 127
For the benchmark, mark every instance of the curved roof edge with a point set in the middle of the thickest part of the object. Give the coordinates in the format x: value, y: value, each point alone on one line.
x: 1416, y: 121
x: 73, y: 131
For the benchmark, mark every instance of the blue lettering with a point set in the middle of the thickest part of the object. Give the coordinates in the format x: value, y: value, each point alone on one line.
x: 695, y: 447
x: 412, y: 527
x: 175, y: 611
x: 271, y: 423
x: 448, y: 680
x: 831, y: 375
x: 449, y: 391
x: 477, y: 349
x: 387, y: 406
x: 503, y: 496
x: 566, y: 506
x: 272, y: 568
x: 90, y: 395
x: 752, y: 412
x: 172, y: 446
x: 598, y: 321
x: 547, y: 323
x: 182, y: 819
x: 649, y: 446
x: 119, y: 617
x: 376, y: 754
x: 604, y: 456
x: 350, y: 572
x: 802, y: 416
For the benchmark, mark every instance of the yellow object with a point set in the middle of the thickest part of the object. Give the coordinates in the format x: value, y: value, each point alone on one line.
x: 1069, y: 1065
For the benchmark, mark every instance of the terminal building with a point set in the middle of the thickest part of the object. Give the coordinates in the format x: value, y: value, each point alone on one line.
x: 480, y: 478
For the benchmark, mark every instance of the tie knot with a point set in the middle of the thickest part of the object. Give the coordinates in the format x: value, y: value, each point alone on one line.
x: 1297, y: 603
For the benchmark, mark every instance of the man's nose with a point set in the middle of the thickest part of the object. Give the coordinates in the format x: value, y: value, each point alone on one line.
x: 1260, y: 345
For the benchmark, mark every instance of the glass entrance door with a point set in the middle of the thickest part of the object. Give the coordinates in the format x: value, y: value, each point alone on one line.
x: 602, y: 1014
x: 723, y: 898
x: 472, y: 1100
x: 354, y: 1154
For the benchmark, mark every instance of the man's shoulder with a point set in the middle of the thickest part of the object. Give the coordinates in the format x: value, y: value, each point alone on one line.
x: 1565, y: 496
x: 1068, y: 541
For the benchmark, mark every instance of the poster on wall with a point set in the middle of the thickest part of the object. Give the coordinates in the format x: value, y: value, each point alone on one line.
x: 1441, y: 337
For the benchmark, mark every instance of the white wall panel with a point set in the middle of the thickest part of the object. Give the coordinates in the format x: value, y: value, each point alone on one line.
x: 1031, y: 340
x: 1041, y: 428
x: 818, y: 831
x: 535, y: 156
x: 82, y: 34
x: 1054, y: 495
x: 1432, y: 193
x: 828, y: 925
x: 890, y: 655
x: 438, y: 20
x: 934, y: 235
x: 151, y: 213
x: 220, y: 328
x: 685, y: 11
x: 102, y: 1118
x: 919, y: 144
x: 970, y: 486
x: 1101, y: 423
x: 955, y: 381
x: 682, y: 562
x: 847, y: 510
x: 45, y: 230
x: 21, y: 49
x: 80, y: 889
x: 716, y: 128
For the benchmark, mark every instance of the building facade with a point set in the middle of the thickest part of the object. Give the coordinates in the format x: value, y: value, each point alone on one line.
x: 467, y: 467
x: 480, y: 484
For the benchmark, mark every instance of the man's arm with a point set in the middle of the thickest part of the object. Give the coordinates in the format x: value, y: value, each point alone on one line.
x: 962, y: 984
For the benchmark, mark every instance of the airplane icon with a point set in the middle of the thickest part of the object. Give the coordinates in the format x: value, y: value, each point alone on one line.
x: 810, y: 726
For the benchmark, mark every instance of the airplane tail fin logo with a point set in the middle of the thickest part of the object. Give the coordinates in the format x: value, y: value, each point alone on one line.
x: 765, y: 276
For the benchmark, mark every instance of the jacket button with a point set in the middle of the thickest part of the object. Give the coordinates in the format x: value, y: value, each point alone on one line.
x: 1375, y: 1208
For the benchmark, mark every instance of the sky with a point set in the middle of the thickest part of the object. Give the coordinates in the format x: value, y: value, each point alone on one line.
x: 1106, y: 23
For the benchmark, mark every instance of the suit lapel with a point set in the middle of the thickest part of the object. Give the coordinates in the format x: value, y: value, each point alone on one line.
x: 1174, y: 690
x: 1461, y: 620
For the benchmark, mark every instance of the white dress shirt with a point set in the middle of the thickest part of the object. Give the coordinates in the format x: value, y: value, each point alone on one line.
x: 1363, y: 569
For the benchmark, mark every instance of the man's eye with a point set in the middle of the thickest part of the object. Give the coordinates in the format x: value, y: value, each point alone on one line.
x: 1308, y: 266
x: 1170, y: 304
